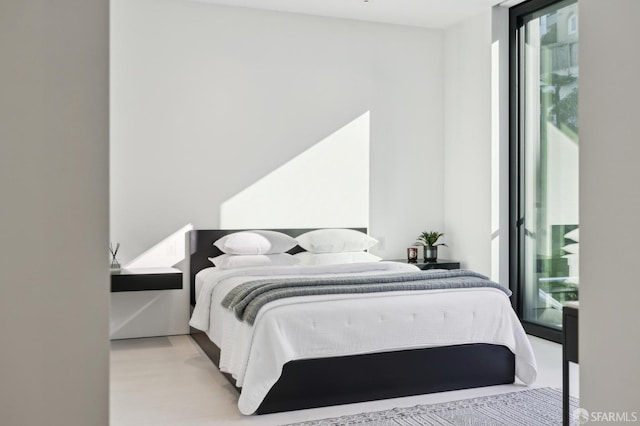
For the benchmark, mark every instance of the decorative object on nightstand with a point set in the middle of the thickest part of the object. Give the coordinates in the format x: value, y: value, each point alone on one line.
x: 412, y: 254
x: 115, y: 265
x: 428, y: 239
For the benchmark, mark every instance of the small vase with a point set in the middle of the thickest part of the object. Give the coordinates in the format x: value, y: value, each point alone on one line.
x: 115, y: 265
x: 430, y: 253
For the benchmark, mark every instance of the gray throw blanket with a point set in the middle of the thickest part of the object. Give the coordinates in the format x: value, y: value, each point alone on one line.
x: 247, y: 298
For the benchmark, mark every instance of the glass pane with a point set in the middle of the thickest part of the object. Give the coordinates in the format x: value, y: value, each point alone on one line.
x: 549, y: 161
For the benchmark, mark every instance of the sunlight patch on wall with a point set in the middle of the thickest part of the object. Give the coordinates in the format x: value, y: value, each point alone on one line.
x: 496, y: 149
x: 500, y: 145
x: 325, y: 186
x: 168, y: 252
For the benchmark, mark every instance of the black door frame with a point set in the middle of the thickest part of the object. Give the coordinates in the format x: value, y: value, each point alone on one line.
x: 518, y: 16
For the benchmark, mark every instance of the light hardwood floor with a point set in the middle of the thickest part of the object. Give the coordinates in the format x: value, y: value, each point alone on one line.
x: 164, y: 381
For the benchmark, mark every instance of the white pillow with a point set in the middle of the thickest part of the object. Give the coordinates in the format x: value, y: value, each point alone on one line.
x: 307, y: 258
x: 231, y: 261
x: 255, y: 242
x: 335, y: 241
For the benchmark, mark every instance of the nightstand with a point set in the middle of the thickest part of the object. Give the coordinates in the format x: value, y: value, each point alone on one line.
x: 436, y: 264
x: 148, y: 302
x: 144, y: 279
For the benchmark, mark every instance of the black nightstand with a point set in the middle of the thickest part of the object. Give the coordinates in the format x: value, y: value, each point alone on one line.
x: 436, y: 264
x: 140, y: 279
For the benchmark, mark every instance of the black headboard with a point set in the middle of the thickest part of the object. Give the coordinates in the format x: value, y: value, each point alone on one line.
x: 201, y: 248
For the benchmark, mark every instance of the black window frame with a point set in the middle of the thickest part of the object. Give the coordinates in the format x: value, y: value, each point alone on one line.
x: 517, y: 15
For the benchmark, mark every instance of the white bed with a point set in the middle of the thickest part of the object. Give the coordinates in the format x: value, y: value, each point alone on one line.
x: 311, y: 327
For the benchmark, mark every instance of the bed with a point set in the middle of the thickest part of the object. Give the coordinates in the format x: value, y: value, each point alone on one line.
x: 323, y: 366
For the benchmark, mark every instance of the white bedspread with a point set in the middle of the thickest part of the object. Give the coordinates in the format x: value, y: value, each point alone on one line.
x: 338, y: 325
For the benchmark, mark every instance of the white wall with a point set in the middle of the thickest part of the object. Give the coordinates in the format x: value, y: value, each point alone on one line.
x: 54, y: 223
x: 148, y: 313
x: 209, y: 102
x: 467, y: 156
x: 609, y: 205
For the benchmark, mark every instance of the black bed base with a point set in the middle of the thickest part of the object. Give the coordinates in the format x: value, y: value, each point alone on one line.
x: 322, y: 382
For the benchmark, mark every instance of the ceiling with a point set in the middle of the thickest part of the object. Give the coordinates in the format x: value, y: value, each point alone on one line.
x: 421, y: 13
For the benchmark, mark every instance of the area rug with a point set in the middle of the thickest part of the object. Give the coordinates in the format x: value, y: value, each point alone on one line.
x: 533, y: 407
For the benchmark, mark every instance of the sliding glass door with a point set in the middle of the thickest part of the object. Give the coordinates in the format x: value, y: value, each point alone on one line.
x: 544, y: 157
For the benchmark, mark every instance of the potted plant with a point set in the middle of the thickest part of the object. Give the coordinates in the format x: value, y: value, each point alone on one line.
x: 429, y: 241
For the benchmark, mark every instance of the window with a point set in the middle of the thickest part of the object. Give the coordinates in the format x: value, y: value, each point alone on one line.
x: 544, y: 162
x: 572, y: 24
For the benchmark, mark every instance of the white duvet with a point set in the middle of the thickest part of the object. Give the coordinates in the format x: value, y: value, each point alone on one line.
x: 338, y: 325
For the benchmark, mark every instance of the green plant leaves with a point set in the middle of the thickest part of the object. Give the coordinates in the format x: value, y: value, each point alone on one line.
x: 429, y: 238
